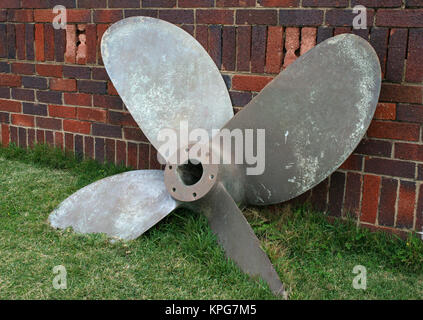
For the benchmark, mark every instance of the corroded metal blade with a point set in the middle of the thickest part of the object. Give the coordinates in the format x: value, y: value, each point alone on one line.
x: 123, y: 206
x: 237, y: 238
x: 164, y: 76
x: 315, y: 113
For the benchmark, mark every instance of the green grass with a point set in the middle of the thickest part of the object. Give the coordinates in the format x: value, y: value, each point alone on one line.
x: 179, y: 258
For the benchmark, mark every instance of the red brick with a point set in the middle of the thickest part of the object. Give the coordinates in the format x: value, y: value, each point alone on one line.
x: 132, y: 155
x: 389, y: 167
x: 258, y: 48
x: 49, y: 123
x: 124, y: 3
x: 409, y: 151
x: 158, y: 3
x: 371, y: 186
x: 70, y: 53
x: 400, y: 18
x: 40, y: 136
x: 336, y: 193
x: 353, y: 162
x: 108, y: 102
x: 228, y: 48
x: 345, y: 17
x: 292, y: 43
x: 413, y: 3
x: 69, y: 142
x: 374, y: 148
x: 401, y: 93
x: 11, y: 41
x: 91, y: 32
x: 215, y: 16
x: 202, y: 36
x: 319, y: 196
x: 414, y: 71
x: 89, y: 147
x: 274, y: 51
x: 61, y: 111
x: 106, y: 130
x: 63, y: 84
x: 385, y: 111
x: 10, y: 105
x: 342, y: 30
x: 34, y: 3
x: 20, y: 41
x: 406, y: 201
x: 23, y: 120
x: 379, y: 40
x: 78, y: 99
x: 31, y: 137
x: 21, y: 15
x: 377, y: 3
x: 250, y: 82
x: 235, y: 3
x: 153, y: 163
x: 353, y: 194
x: 73, y: 15
x: 419, y: 211
x: 122, y: 118
x: 49, y: 70
x: 107, y: 16
x: 111, y: 90
x: 250, y: 16
x: 388, y: 197
x: 279, y: 3
x: 39, y: 42
x: 101, y: 28
x: 134, y: 134
x: 308, y: 39
x: 77, y: 126
x: 5, y: 136
x: 92, y: 114
x: 394, y: 130
x: 23, y: 68
x: 244, y: 48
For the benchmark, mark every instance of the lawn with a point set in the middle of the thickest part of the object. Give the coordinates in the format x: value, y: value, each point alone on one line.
x: 179, y: 258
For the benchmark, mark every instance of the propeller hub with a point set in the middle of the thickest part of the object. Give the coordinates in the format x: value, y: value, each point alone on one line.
x: 191, y: 180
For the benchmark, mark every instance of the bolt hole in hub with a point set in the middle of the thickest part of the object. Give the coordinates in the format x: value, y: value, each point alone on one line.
x: 190, y: 181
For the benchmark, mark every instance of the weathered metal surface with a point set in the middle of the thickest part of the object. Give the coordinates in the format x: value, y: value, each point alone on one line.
x: 315, y: 113
x: 123, y: 206
x: 164, y: 76
x: 236, y: 236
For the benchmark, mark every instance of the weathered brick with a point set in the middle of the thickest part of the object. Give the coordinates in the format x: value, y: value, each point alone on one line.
x: 414, y: 71
x: 29, y: 41
x: 23, y: 120
x: 78, y: 99
x: 10, y: 105
x: 345, y: 17
x: 300, y: 17
x: 49, y: 123
x: 94, y: 87
x: 258, y: 48
x: 385, y: 111
x: 34, y: 82
x: 228, y: 48
x: 177, y: 16
x: 77, y: 126
x: 388, y: 167
x: 35, y: 109
x: 107, y: 130
x: 274, y: 50
x: 248, y: 16
x: 92, y: 114
x: 292, y: 43
x: 23, y: 68
x: 49, y: 97
x: 396, y: 54
x: 61, y: 111
x: 374, y: 148
x: 406, y: 200
x: 63, y: 84
x: 215, y: 44
x: 107, y: 16
x: 308, y: 39
x: 353, y: 162
x: 250, y: 82
x: 10, y: 80
x: 371, y: 186
x: 394, y: 130
x: 409, y: 151
x: 401, y: 93
x: 411, y: 18
x: 70, y: 53
x: 336, y: 193
x: 23, y: 94
x: 244, y: 48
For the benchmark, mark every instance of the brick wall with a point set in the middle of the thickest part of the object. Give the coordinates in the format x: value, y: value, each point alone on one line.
x: 54, y: 89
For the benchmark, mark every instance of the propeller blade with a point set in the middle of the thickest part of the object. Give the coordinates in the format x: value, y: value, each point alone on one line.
x: 124, y: 205
x: 164, y: 76
x: 315, y: 113
x: 237, y: 238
